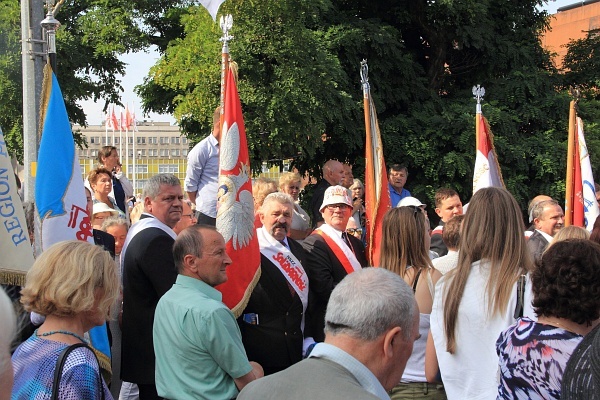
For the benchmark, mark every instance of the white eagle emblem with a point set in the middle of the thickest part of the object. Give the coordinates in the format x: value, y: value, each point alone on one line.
x: 235, y: 215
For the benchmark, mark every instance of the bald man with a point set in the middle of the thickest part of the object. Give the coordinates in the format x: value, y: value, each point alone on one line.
x: 333, y: 174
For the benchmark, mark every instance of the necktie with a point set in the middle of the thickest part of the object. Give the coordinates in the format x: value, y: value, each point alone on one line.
x: 346, y: 239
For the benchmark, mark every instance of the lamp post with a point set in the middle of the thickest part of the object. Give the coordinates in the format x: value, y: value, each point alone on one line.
x: 50, y: 25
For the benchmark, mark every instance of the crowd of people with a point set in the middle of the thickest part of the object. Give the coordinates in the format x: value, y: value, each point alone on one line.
x: 479, y: 307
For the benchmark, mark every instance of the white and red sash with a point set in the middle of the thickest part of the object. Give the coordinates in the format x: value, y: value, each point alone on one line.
x: 149, y: 221
x: 341, y: 250
x: 287, y: 263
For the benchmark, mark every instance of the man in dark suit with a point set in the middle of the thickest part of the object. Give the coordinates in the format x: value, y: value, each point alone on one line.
x: 273, y: 321
x: 333, y: 174
x: 148, y: 273
x: 364, y: 354
x: 548, y: 219
x: 331, y: 255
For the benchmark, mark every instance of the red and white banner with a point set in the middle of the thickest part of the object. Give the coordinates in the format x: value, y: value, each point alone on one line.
x: 235, y: 215
x: 487, y: 171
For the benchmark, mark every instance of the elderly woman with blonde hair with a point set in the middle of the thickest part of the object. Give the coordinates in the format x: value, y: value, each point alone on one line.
x: 289, y: 183
x: 73, y: 284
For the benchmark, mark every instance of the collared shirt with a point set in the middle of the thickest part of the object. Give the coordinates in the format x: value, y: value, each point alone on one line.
x: 202, y: 175
x: 198, y: 345
x: 395, y: 197
x: 363, y: 375
x: 546, y: 236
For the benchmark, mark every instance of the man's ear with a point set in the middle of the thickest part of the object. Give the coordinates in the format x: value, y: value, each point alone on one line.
x: 438, y: 212
x: 188, y: 263
x: 536, y: 222
x: 390, y: 341
x: 147, y: 204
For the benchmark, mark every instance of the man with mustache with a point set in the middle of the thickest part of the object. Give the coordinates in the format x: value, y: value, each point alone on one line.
x: 272, y: 323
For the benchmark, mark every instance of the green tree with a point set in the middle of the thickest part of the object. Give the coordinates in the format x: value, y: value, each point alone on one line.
x: 92, y: 35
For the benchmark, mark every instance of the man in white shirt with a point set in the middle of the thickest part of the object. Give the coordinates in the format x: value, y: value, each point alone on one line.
x: 202, y: 175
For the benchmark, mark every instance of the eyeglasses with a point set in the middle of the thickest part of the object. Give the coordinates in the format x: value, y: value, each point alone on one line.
x: 353, y: 231
x: 192, y: 216
x: 332, y: 207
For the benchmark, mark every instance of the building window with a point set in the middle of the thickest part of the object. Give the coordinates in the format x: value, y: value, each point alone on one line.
x: 94, y: 153
x: 130, y: 140
x: 175, y: 140
x: 184, y: 140
x: 141, y: 140
x: 164, y: 152
x: 142, y: 153
x: 164, y: 140
x: 117, y: 140
x: 168, y: 169
x: 94, y: 139
x: 153, y: 152
x: 175, y: 152
x: 152, y: 140
x: 106, y: 141
x: 184, y: 152
x: 141, y: 169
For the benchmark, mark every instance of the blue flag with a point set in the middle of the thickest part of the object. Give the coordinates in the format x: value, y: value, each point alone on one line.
x: 59, y: 192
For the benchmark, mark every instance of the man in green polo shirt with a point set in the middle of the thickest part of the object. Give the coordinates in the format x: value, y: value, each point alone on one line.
x: 198, y: 345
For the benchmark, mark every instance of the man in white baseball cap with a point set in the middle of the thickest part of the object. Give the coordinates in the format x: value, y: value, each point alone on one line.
x: 332, y: 254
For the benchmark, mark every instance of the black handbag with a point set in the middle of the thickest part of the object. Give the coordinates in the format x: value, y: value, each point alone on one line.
x: 60, y: 364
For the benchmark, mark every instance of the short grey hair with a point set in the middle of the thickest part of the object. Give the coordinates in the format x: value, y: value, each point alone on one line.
x: 114, y: 221
x: 189, y: 241
x: 152, y: 186
x: 281, y: 198
x: 538, y: 209
x: 369, y: 302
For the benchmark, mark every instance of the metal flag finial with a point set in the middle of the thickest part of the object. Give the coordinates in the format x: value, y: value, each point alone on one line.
x: 478, y: 93
x: 226, y: 22
x: 364, y: 76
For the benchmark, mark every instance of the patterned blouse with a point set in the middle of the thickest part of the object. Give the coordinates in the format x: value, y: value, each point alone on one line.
x: 34, y: 362
x: 532, y: 359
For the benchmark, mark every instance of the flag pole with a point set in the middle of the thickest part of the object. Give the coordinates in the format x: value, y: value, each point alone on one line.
x: 370, y: 195
x: 569, y: 192
x: 225, y: 22
x: 478, y: 93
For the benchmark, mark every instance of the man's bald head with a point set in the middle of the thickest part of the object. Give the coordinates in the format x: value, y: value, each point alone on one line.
x: 333, y: 172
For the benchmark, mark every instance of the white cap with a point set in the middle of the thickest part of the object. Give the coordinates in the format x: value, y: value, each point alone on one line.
x: 101, y: 207
x: 410, y: 201
x: 336, y: 195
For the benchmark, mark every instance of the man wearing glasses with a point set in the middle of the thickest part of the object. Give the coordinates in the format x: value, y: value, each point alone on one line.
x: 332, y: 254
x: 188, y: 218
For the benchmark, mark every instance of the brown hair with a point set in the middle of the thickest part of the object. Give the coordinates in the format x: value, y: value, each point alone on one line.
x: 95, y: 174
x: 104, y: 152
x: 403, y: 230
x: 451, y: 232
x: 493, y: 235
x: 443, y: 194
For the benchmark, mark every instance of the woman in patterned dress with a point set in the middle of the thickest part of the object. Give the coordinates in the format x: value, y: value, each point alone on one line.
x: 73, y: 284
x: 566, y: 298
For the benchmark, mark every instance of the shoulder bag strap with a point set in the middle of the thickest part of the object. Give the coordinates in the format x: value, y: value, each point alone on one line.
x: 60, y: 364
x: 520, y: 297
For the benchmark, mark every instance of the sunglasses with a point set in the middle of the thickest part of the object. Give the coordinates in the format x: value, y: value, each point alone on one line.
x: 353, y: 231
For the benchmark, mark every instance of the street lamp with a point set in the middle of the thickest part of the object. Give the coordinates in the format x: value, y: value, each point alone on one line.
x: 50, y: 24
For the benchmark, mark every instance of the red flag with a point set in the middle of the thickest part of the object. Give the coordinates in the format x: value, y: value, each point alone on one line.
x: 235, y: 216
x: 128, y: 118
x: 578, y: 212
x: 122, y: 121
x: 377, y: 195
x: 114, y: 124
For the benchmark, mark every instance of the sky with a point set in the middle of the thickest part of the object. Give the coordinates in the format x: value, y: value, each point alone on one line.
x: 138, y: 65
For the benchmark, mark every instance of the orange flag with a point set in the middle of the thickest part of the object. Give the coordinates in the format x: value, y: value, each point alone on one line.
x: 377, y: 195
x: 235, y: 215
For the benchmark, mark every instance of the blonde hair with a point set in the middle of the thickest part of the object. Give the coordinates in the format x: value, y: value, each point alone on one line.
x: 260, y: 189
x: 64, y: 279
x: 289, y: 177
x: 403, y: 230
x: 493, y: 233
x: 136, y: 212
x: 569, y: 232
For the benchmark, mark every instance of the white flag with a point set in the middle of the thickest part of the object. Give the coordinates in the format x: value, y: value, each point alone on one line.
x: 212, y: 6
x: 590, y: 205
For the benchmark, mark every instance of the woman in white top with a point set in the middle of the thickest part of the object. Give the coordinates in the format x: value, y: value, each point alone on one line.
x: 289, y: 183
x: 476, y: 301
x: 405, y: 251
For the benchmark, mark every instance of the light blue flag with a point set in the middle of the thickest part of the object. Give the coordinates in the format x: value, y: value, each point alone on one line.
x: 59, y: 192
